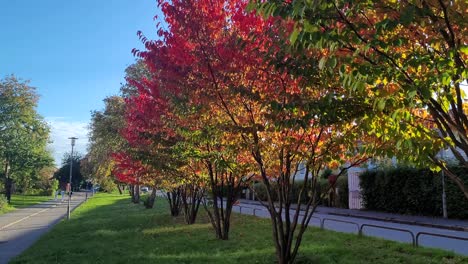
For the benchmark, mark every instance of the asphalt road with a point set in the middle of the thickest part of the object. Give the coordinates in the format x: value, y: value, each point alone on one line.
x: 349, y: 224
x: 21, y: 228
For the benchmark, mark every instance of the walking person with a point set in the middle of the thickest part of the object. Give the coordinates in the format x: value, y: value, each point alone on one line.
x: 62, y: 192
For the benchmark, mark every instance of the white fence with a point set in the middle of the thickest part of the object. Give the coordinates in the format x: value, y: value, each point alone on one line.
x: 355, y: 200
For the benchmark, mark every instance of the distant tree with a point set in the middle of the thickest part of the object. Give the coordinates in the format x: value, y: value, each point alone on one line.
x: 106, y: 132
x: 136, y: 71
x: 45, y: 180
x: 23, y: 134
x: 63, y: 173
x: 105, y: 139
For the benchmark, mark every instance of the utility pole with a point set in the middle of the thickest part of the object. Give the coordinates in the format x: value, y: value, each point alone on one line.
x: 70, y: 179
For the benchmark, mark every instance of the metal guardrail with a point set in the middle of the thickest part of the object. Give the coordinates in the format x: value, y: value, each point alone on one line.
x: 437, y: 235
x: 322, y: 223
x: 415, y: 237
x: 253, y: 209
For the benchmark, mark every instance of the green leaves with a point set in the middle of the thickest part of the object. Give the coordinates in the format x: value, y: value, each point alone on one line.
x: 381, y: 104
x: 464, y: 49
x: 23, y: 133
x: 294, y: 36
x: 407, y: 16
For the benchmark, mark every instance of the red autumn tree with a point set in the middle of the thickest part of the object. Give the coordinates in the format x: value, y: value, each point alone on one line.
x: 241, y: 111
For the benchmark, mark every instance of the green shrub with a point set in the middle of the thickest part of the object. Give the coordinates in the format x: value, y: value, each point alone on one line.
x: 54, y: 185
x: 107, y: 184
x: 342, y: 184
x: 3, y: 202
x: 261, y: 192
x: 327, y: 172
x: 457, y: 204
x: 225, y: 188
x: 343, y: 192
x: 145, y: 199
x: 295, y: 191
x: 33, y: 192
x: 39, y: 192
x: 323, y: 186
x: 46, y: 188
x: 408, y: 190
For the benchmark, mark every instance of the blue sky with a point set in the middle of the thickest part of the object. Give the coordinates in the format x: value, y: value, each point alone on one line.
x: 74, y: 53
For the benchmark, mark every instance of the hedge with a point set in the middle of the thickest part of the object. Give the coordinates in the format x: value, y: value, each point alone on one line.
x: 342, y: 185
x: 407, y: 190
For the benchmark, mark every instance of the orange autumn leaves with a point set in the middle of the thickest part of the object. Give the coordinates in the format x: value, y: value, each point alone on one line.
x: 216, y: 90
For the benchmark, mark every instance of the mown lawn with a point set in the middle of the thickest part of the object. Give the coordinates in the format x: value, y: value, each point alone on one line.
x: 20, y: 201
x: 109, y: 229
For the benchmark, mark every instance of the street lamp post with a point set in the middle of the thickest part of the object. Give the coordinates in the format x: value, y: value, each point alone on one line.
x: 444, y: 196
x: 70, y: 179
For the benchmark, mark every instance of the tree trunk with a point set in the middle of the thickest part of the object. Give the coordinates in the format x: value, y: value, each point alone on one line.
x: 131, y: 191
x: 8, y: 182
x: 220, y: 212
x: 192, y: 196
x: 457, y: 180
x: 8, y: 186
x: 136, y: 194
x: 174, y: 200
x: 149, y: 203
x: 452, y: 176
x: 120, y: 189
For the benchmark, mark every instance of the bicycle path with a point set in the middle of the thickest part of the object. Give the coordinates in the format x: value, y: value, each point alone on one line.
x: 21, y: 228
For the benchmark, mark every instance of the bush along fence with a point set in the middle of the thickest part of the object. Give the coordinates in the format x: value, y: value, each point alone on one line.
x: 407, y: 190
x: 339, y: 200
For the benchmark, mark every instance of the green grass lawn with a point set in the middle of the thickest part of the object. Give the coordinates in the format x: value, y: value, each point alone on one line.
x: 110, y: 229
x: 20, y: 201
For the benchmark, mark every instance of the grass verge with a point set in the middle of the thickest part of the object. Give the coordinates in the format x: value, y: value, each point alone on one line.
x: 21, y: 201
x: 110, y: 229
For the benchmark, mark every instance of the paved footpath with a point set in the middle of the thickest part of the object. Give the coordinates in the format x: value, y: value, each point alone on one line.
x: 21, y: 228
x: 371, y: 223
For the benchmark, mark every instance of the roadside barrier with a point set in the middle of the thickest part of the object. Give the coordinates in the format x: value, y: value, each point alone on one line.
x: 413, y: 240
x: 437, y: 235
x: 322, y: 223
x: 415, y: 236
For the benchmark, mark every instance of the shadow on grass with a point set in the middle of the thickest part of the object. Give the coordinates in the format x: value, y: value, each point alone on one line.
x: 110, y: 229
